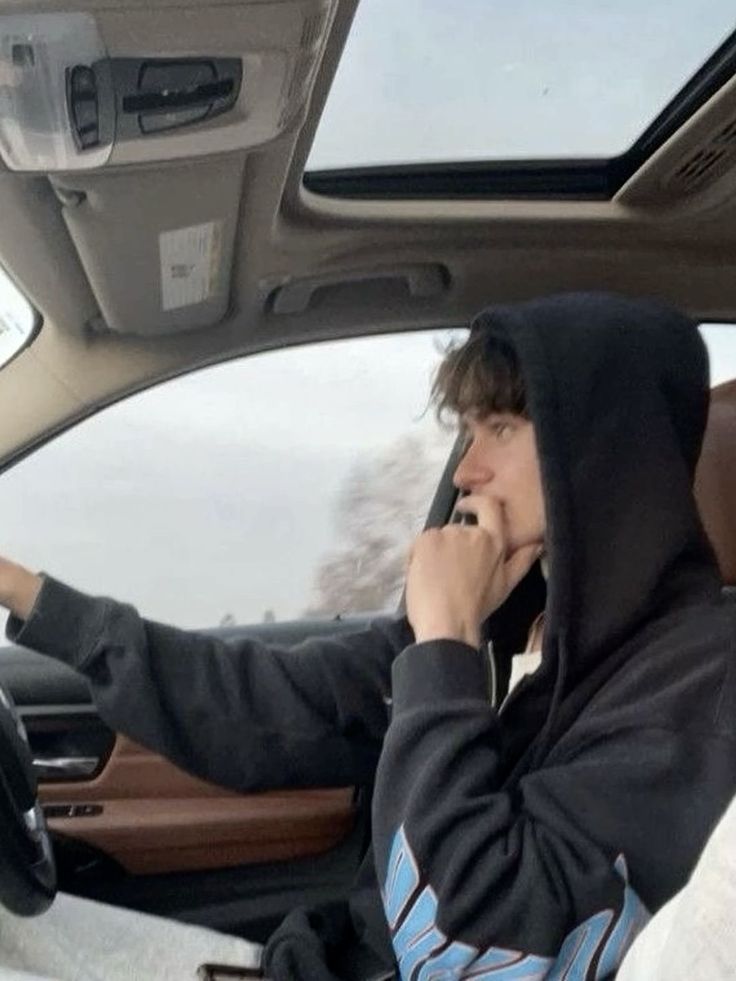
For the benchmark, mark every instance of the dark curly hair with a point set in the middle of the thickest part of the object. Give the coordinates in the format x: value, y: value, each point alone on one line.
x: 480, y: 376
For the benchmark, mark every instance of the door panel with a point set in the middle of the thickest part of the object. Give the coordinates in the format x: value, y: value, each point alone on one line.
x: 153, y: 817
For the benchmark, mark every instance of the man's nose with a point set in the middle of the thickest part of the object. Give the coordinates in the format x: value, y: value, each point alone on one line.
x: 459, y: 477
x: 471, y: 472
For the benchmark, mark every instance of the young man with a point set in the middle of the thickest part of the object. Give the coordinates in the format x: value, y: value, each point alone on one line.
x: 526, y: 837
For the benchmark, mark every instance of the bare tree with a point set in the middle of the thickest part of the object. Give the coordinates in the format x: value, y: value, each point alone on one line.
x: 379, y: 511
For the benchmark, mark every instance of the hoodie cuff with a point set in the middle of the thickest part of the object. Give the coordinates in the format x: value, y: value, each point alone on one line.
x: 438, y: 671
x: 64, y: 623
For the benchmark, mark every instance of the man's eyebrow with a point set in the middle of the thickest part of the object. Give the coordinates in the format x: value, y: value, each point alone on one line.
x: 499, y: 416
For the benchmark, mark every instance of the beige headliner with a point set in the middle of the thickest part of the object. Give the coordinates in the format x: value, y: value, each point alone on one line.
x: 654, y: 238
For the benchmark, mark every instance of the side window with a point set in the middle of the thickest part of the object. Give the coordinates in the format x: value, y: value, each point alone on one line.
x: 283, y: 484
x: 17, y: 319
x: 720, y: 339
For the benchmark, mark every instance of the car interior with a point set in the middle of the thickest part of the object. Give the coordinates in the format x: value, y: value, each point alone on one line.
x: 161, y: 211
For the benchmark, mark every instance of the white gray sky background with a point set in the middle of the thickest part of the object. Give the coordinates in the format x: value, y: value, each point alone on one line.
x: 215, y: 493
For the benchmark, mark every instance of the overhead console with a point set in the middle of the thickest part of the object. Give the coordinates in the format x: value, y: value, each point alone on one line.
x: 142, y: 120
x: 86, y: 90
x: 130, y: 98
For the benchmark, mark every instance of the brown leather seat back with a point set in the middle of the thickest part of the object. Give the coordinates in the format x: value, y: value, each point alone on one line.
x: 715, y: 479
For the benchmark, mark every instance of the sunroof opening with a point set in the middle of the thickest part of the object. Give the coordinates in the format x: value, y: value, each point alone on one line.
x: 432, y: 82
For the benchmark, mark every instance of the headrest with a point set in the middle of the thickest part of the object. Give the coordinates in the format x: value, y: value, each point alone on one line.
x: 715, y: 479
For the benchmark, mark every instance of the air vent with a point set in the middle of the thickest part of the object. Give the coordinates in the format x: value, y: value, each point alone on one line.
x: 708, y: 163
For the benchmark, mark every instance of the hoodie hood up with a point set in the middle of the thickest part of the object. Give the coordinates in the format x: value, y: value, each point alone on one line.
x: 617, y: 390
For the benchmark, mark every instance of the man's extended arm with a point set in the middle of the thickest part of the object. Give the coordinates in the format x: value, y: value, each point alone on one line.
x: 243, y: 714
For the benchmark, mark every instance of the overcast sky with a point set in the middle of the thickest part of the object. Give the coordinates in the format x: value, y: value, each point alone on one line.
x: 424, y: 80
x: 215, y: 493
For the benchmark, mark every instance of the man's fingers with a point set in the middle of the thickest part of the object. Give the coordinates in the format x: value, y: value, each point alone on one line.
x: 489, y: 513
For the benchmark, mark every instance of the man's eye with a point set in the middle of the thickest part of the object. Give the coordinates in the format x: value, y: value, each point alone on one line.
x: 502, y: 430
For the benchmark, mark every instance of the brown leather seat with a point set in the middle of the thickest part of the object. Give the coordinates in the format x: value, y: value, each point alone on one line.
x: 715, y: 479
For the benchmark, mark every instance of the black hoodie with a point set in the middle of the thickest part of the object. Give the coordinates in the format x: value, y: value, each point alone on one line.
x: 527, y: 842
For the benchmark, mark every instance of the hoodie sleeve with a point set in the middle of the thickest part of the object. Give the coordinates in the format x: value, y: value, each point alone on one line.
x: 245, y: 715
x: 482, y: 881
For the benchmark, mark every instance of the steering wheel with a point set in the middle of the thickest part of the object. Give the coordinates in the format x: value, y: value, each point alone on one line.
x: 27, y: 868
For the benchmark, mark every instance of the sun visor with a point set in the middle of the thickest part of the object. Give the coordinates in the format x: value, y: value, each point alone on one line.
x: 157, y: 247
x: 82, y: 91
